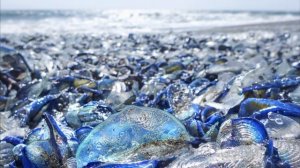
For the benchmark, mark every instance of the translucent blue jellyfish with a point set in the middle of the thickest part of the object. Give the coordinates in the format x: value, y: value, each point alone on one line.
x: 134, y: 134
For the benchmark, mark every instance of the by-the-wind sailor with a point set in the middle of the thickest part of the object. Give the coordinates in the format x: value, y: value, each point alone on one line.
x: 180, y: 98
x: 259, y: 108
x: 242, y: 131
x: 90, y: 114
x: 50, y: 150
x: 235, y: 157
x: 134, y: 134
x: 279, y: 126
x: 289, y: 151
x: 141, y: 164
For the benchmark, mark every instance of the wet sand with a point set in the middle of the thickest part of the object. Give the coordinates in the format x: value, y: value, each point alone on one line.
x: 292, y: 26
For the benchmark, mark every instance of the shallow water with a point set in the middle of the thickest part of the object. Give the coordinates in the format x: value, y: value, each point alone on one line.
x: 130, y: 21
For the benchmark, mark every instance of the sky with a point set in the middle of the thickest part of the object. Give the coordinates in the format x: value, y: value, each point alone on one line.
x: 257, y: 5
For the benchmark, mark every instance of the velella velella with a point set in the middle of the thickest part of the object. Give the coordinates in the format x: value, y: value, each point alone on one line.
x: 90, y: 114
x: 243, y: 131
x: 241, y: 156
x: 260, y: 108
x: 179, y: 97
x: 31, y: 114
x: 134, y: 134
x: 49, y: 147
x: 288, y: 151
x: 281, y: 127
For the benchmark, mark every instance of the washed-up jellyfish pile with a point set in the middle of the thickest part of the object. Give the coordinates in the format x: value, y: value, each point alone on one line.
x: 150, y: 100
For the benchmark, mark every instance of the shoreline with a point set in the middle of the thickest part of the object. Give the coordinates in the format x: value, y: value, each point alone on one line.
x: 291, y: 26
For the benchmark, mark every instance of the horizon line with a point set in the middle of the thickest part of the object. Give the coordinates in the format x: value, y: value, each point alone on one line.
x: 135, y: 9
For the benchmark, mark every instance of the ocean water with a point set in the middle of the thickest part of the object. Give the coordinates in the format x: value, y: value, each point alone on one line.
x: 129, y: 21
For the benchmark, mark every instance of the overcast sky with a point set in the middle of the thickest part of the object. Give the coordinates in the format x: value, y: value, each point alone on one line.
x: 270, y: 5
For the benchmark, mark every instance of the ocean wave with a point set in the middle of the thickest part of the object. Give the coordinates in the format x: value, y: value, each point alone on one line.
x: 129, y: 21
